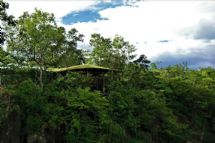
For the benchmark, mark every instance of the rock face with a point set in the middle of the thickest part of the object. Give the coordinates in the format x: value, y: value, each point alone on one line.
x: 11, y: 132
x: 10, y: 129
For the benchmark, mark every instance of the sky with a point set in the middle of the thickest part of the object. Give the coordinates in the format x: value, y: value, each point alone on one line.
x: 167, y: 32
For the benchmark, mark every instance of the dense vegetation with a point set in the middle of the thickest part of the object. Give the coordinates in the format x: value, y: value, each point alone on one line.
x: 140, y: 104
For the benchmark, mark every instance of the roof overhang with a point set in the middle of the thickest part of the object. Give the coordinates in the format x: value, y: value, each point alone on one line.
x: 78, y: 68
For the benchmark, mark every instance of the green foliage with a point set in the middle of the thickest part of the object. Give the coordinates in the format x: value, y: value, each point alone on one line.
x: 5, y: 19
x: 88, y: 118
x: 145, y: 116
x: 110, y: 53
x: 5, y: 105
x: 139, y: 103
x: 37, y: 41
x: 173, y: 104
x: 28, y: 97
x: 190, y: 94
x: 72, y: 56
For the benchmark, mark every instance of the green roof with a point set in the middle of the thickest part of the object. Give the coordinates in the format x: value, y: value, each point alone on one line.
x: 85, y: 67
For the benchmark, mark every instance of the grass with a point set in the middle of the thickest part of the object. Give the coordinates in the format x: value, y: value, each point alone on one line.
x: 79, y: 68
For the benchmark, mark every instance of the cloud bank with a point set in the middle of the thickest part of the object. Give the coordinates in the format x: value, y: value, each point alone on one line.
x: 170, y: 32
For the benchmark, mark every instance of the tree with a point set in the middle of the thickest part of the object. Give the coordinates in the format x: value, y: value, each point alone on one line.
x: 5, y: 20
x: 142, y: 61
x: 37, y: 41
x: 72, y: 56
x: 101, y: 52
x: 113, y: 53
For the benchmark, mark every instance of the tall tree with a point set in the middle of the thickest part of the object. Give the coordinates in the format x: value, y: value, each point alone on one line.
x: 38, y: 41
x: 72, y: 56
x: 113, y: 53
x: 142, y: 61
x: 5, y: 20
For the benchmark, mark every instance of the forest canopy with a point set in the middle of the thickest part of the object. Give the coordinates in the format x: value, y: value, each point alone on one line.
x: 134, y: 101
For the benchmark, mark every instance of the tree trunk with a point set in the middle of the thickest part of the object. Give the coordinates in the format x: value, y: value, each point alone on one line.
x: 41, y: 77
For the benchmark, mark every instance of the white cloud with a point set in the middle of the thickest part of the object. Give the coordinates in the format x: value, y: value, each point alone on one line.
x: 143, y: 25
x: 60, y: 8
x: 150, y: 22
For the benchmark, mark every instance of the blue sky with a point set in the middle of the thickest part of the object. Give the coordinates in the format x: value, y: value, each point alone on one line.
x: 166, y: 32
x: 90, y: 14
